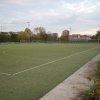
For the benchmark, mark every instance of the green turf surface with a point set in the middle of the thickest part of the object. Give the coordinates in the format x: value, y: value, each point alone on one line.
x: 44, y: 66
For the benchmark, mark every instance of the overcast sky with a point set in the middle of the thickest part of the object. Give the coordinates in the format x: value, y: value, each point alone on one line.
x: 83, y: 16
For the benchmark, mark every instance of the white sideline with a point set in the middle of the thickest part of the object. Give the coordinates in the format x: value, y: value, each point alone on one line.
x: 52, y: 61
x: 5, y: 74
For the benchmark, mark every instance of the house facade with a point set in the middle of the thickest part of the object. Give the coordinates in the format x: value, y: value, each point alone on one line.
x: 79, y: 37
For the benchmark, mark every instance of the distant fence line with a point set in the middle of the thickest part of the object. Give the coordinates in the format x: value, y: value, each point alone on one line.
x: 51, y: 41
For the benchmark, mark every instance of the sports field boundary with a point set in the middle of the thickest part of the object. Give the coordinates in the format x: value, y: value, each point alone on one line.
x: 35, y: 67
x: 5, y: 74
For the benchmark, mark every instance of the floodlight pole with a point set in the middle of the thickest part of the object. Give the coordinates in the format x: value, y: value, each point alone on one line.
x: 98, y: 39
x: 28, y: 24
x: 1, y: 28
x: 70, y: 29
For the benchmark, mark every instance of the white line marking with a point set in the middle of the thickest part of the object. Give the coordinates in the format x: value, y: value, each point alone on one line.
x: 5, y: 74
x: 52, y: 61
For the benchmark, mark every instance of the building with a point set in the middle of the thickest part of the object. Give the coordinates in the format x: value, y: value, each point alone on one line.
x: 78, y: 37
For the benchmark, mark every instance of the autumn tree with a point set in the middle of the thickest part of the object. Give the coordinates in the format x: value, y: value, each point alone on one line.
x: 21, y: 36
x: 28, y: 35
x: 25, y: 36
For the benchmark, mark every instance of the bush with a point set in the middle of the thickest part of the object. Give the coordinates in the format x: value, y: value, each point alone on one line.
x: 94, y: 92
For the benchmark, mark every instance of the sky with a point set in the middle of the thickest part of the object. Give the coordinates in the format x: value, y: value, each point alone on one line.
x: 78, y: 16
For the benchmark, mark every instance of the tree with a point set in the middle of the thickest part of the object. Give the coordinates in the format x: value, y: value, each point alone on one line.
x: 13, y: 37
x: 25, y: 36
x: 49, y: 36
x: 21, y: 36
x: 44, y: 37
x: 54, y: 36
x: 28, y: 35
x: 35, y: 37
x: 4, y: 37
x: 98, y: 36
x: 41, y: 32
x: 65, y: 35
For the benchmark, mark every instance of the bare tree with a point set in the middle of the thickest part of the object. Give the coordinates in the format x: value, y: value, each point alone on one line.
x: 41, y: 32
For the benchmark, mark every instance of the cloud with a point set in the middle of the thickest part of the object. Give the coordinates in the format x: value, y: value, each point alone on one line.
x: 88, y: 32
x: 17, y: 2
x: 55, y: 15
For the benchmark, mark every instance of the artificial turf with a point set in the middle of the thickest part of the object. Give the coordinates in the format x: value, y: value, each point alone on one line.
x: 49, y: 64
